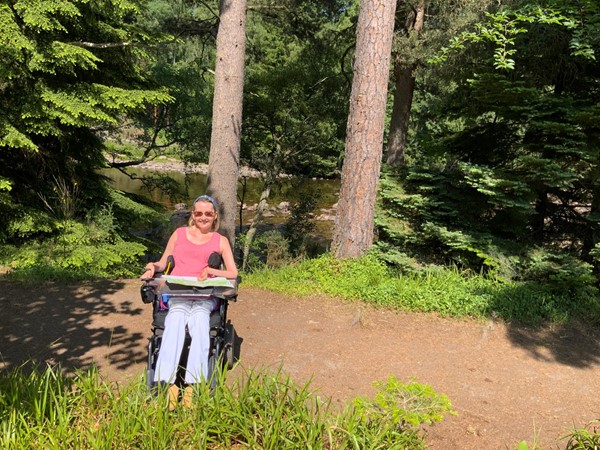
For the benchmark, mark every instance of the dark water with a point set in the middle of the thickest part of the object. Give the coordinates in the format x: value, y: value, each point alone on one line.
x: 291, y: 190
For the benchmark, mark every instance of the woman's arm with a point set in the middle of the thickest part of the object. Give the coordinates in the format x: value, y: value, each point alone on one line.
x: 230, y: 268
x: 159, y: 266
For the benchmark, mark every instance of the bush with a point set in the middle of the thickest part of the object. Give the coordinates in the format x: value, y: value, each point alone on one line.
x: 80, y: 250
x: 560, y: 271
x: 300, y: 223
x: 393, y: 417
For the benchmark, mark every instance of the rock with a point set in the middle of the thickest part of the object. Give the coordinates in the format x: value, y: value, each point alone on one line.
x: 180, y: 207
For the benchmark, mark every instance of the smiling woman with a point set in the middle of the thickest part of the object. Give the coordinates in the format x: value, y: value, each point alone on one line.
x: 191, y: 248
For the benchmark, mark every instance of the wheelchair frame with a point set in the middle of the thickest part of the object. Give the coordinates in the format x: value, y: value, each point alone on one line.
x: 224, y: 342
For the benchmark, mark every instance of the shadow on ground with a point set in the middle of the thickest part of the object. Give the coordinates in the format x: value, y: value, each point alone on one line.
x: 62, y: 324
x: 575, y: 343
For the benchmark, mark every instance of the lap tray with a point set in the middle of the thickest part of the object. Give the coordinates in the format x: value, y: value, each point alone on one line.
x: 190, y: 287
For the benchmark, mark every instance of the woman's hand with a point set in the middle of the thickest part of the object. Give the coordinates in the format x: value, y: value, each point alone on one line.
x: 149, y: 272
x: 203, y: 275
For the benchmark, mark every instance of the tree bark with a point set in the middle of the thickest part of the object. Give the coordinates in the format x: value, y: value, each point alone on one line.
x: 404, y: 81
x: 224, y: 158
x: 353, y: 233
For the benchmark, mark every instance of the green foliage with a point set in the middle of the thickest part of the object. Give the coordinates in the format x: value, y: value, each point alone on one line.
x: 560, y: 271
x: 258, y: 409
x: 40, y: 63
x: 79, y: 250
x: 436, y: 224
x: 69, y: 69
x: 268, y: 250
x: 184, y: 65
x: 300, y: 224
x: 584, y: 438
x: 28, y: 223
x: 394, y: 416
x: 135, y: 212
x: 503, y: 179
x: 300, y: 130
x: 503, y: 28
x: 447, y: 292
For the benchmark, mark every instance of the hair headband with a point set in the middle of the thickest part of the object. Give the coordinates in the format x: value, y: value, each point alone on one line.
x: 207, y: 198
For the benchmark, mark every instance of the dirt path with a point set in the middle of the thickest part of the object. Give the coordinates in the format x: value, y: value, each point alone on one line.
x: 507, y: 383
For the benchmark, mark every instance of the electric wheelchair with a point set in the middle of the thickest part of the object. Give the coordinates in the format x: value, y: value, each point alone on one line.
x: 224, y: 342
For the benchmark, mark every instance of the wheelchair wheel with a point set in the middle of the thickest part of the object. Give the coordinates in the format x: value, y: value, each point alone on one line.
x: 229, y: 354
x: 214, y: 363
x: 153, y: 349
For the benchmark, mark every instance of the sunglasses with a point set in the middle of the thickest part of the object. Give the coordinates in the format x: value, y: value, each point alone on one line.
x: 203, y: 213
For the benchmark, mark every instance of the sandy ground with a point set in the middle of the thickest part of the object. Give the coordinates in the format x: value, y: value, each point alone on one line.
x: 506, y: 383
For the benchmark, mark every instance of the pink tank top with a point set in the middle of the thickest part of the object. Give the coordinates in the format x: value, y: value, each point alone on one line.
x: 191, y: 259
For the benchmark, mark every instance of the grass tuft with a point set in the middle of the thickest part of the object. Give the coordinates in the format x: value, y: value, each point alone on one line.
x: 257, y: 409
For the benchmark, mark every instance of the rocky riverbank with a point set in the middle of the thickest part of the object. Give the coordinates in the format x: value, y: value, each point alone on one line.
x: 173, y: 165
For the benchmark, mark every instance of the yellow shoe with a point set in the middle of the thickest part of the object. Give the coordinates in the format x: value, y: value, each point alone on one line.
x: 187, y: 397
x: 173, y: 393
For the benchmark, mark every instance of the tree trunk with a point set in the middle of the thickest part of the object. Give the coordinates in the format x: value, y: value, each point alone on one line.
x: 354, y: 223
x: 224, y: 158
x: 403, y: 96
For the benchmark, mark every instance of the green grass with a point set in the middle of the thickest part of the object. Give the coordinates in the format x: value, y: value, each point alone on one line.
x: 263, y: 409
x: 444, y: 291
x: 584, y: 438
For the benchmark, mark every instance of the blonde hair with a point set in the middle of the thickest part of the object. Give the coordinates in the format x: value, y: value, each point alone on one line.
x: 210, y: 200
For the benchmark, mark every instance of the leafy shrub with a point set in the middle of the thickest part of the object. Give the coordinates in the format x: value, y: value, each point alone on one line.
x: 393, y: 417
x: 300, y: 223
x: 276, y: 249
x: 560, y: 271
x: 80, y: 250
x: 268, y: 250
x: 29, y: 223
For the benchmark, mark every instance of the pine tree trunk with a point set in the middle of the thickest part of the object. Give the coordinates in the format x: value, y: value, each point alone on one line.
x: 403, y: 96
x: 223, y: 163
x: 353, y: 233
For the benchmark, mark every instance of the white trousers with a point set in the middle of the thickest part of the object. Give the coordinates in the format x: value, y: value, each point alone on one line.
x: 196, y: 315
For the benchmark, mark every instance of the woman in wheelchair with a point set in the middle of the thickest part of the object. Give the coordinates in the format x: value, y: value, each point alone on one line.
x: 191, y: 247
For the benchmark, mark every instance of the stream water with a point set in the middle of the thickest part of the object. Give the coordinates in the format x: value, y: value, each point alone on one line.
x: 292, y: 190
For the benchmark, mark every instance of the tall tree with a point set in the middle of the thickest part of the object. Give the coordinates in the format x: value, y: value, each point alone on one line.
x: 354, y: 223
x: 68, y: 69
x: 224, y: 158
x: 294, y: 108
x: 509, y: 163
x: 404, y: 84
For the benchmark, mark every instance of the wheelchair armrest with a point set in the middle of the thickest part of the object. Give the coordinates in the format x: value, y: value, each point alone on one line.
x: 230, y: 294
